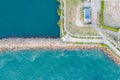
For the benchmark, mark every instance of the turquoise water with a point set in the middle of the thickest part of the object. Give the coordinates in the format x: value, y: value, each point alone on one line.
x: 28, y: 18
x: 57, y: 65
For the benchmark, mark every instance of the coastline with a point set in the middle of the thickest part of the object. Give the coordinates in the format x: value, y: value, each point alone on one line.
x: 50, y: 43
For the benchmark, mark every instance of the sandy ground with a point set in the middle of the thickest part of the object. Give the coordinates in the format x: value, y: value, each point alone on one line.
x: 78, y: 21
x: 112, y: 13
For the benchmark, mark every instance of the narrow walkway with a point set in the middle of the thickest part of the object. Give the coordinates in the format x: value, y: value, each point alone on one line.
x: 94, y: 19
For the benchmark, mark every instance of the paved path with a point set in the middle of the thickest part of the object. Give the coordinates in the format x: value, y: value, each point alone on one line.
x: 95, y: 8
x: 68, y: 38
x: 94, y: 19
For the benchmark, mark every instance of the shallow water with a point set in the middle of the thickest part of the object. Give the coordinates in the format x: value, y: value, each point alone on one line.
x: 57, y: 65
x: 28, y: 18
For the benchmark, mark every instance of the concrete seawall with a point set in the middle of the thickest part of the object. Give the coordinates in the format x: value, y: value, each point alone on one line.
x: 50, y: 43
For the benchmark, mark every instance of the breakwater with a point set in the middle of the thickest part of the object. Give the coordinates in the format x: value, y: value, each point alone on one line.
x: 50, y: 43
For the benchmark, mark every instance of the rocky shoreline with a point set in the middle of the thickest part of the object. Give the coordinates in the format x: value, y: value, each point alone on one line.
x: 50, y: 43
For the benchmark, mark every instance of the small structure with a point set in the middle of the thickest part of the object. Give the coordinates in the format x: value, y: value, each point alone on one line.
x: 87, y: 15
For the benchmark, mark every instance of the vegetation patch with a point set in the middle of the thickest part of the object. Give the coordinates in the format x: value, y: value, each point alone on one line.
x: 110, y: 28
x: 60, y: 23
x: 102, y: 11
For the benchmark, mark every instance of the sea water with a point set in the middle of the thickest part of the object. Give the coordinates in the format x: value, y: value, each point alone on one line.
x: 57, y: 65
x: 28, y: 18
